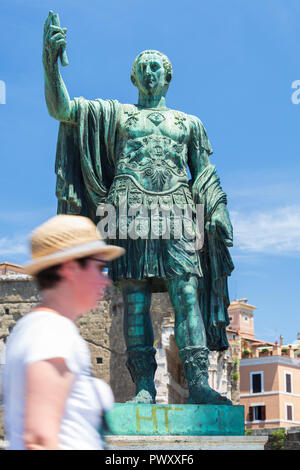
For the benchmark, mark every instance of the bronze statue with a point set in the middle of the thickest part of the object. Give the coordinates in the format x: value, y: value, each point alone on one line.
x: 108, y: 152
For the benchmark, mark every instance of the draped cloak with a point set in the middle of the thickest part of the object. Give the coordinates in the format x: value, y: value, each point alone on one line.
x: 85, y: 169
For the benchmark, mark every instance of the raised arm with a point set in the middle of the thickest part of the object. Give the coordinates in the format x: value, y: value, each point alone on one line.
x: 57, y: 98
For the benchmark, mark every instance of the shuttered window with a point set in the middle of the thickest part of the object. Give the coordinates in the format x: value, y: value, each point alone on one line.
x: 288, y: 383
x: 257, y: 413
x: 289, y: 412
x: 256, y: 383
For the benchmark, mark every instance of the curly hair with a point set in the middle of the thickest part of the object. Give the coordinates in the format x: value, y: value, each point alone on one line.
x: 166, y: 63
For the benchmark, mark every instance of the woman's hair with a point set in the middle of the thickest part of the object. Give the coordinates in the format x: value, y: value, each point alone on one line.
x: 50, y: 277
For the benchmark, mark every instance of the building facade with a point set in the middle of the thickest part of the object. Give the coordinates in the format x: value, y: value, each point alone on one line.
x: 269, y: 373
x: 270, y: 391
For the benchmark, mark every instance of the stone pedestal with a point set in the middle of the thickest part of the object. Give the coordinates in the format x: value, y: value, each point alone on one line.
x: 180, y: 427
x: 176, y: 420
x: 186, y: 443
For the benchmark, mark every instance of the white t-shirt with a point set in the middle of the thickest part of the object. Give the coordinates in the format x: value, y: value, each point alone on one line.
x: 42, y: 335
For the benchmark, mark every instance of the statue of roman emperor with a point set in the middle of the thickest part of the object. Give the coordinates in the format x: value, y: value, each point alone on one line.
x: 108, y: 152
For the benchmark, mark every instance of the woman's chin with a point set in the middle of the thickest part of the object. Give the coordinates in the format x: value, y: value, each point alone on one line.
x: 100, y: 297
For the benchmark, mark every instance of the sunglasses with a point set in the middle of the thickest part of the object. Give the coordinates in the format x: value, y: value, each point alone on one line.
x: 103, y: 266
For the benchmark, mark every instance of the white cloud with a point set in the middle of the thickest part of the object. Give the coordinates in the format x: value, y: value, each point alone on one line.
x: 14, y: 247
x: 272, y: 188
x: 31, y: 217
x: 275, y: 231
x: 16, y: 226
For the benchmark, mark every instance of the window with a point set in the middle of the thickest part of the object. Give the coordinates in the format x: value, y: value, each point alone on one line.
x: 289, y: 412
x: 246, y: 318
x: 256, y: 382
x: 99, y: 360
x: 257, y: 413
x: 288, y: 382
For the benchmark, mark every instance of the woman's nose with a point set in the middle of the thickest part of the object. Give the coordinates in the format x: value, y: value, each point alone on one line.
x: 106, y: 281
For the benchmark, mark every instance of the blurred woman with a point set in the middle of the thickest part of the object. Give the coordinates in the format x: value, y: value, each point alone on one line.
x: 51, y: 400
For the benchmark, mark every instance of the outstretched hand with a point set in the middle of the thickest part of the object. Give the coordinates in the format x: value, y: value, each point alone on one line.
x: 220, y: 218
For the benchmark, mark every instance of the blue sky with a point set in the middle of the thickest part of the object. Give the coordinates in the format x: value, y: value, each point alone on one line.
x: 234, y: 63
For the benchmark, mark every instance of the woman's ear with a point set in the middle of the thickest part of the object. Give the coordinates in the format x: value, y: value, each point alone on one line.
x: 68, y: 269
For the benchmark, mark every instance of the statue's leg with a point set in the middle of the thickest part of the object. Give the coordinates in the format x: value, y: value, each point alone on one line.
x: 139, y: 338
x: 190, y: 337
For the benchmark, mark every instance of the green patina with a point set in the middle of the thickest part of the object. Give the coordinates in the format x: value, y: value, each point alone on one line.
x: 181, y: 420
x: 108, y: 152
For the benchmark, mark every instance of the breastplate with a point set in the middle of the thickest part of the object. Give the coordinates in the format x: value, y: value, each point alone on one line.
x: 157, y: 162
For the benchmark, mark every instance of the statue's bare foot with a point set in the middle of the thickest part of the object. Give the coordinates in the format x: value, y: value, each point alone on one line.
x: 142, y: 397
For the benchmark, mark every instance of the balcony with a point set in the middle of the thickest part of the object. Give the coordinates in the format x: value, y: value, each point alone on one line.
x: 276, y: 350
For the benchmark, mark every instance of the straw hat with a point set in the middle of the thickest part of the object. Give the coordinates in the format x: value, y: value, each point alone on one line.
x: 66, y: 237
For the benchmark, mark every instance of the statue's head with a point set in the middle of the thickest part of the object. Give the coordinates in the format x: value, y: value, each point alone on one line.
x: 151, y: 72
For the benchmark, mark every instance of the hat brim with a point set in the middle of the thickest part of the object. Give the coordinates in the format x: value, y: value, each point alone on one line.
x: 108, y: 253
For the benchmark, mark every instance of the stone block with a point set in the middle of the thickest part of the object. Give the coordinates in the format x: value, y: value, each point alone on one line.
x: 184, y: 443
x: 185, y: 420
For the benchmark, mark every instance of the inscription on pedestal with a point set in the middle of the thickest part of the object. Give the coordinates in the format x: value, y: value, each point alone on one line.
x: 153, y: 418
x: 130, y: 419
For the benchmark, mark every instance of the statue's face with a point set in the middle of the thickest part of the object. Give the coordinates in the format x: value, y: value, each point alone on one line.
x: 150, y: 74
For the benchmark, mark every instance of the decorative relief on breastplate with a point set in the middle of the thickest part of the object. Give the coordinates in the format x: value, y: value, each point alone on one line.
x: 156, y: 117
x: 180, y: 121
x: 133, y: 117
x: 155, y: 158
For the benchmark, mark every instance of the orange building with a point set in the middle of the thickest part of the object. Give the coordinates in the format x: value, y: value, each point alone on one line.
x: 269, y: 373
x: 270, y: 390
x: 241, y: 328
x: 241, y: 319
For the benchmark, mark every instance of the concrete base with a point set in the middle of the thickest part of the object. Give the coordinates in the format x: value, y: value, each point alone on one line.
x: 185, y: 443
